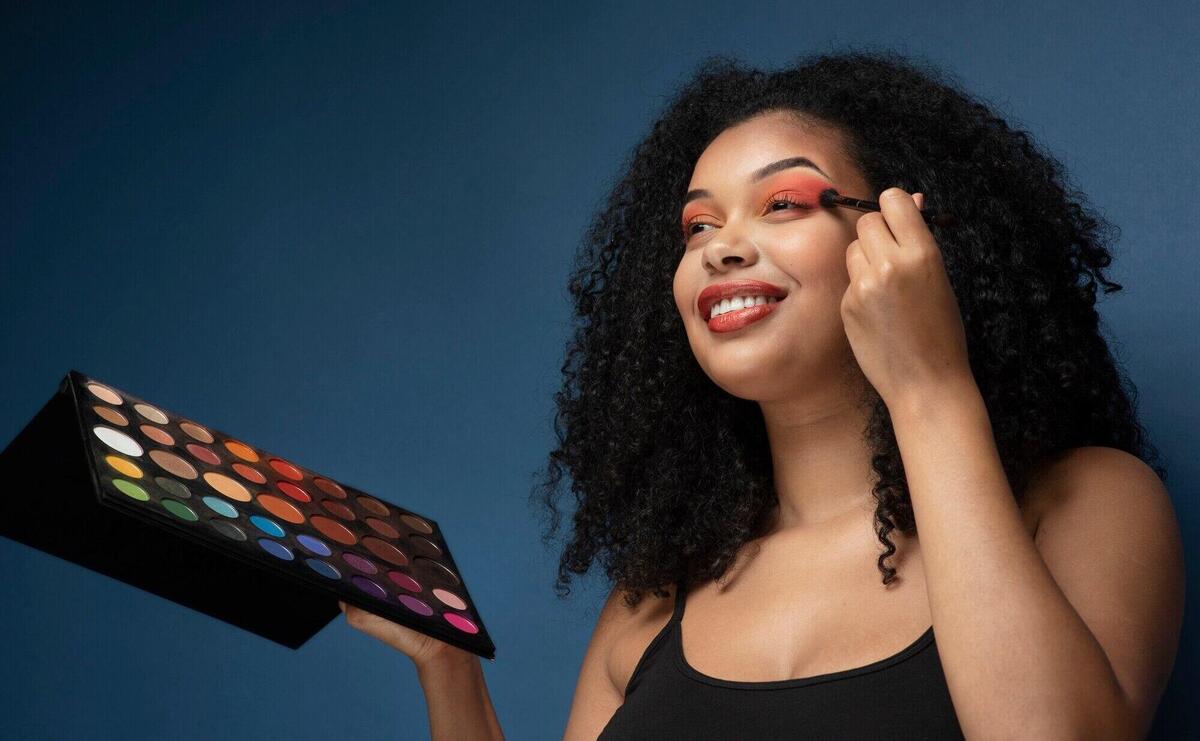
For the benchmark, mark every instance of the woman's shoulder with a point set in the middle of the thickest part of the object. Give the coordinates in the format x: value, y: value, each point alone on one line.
x: 631, y: 629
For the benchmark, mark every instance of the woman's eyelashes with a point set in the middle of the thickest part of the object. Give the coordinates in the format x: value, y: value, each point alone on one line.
x: 785, y: 202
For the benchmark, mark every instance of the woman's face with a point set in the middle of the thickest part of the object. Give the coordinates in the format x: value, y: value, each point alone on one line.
x: 743, y: 228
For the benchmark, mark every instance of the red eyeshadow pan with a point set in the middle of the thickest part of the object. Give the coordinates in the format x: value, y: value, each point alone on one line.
x: 337, y: 509
x: 250, y: 473
x: 285, y: 469
x: 293, y: 491
x: 333, y: 530
x: 404, y: 581
x: 201, y: 453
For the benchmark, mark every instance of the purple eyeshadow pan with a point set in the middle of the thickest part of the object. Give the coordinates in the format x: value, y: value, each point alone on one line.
x: 369, y: 586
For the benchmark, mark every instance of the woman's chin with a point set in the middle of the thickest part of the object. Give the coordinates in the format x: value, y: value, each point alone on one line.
x: 749, y: 381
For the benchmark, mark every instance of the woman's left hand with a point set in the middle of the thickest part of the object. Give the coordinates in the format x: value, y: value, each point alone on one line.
x: 900, y: 312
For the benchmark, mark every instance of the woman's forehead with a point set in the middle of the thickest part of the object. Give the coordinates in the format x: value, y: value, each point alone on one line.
x: 740, y: 151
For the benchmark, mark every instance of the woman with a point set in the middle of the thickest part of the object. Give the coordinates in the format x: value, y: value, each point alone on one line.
x: 896, y: 377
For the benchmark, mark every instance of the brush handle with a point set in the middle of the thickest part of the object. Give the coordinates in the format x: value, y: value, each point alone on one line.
x: 942, y: 219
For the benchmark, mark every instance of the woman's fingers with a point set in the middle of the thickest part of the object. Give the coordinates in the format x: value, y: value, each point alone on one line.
x: 416, y: 645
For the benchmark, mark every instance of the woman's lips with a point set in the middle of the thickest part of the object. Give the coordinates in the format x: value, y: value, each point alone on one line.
x: 734, y: 320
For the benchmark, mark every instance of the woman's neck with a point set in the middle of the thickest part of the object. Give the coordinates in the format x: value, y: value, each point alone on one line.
x: 822, y: 463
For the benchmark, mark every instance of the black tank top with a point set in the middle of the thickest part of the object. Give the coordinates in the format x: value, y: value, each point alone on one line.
x: 901, y: 697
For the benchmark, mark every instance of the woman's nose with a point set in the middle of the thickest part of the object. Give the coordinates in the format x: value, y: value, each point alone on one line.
x: 736, y: 247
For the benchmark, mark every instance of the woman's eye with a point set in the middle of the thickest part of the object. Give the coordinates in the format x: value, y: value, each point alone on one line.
x: 788, y: 200
x: 690, y: 230
x: 782, y: 202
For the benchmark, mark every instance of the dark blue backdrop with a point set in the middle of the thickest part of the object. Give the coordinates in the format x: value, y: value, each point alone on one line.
x: 343, y: 234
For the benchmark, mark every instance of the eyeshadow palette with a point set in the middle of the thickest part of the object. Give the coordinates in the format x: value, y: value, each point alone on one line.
x: 109, y: 481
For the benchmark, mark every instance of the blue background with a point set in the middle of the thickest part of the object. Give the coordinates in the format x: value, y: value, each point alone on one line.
x: 343, y: 234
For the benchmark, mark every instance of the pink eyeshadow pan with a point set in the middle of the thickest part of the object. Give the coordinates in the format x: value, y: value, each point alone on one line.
x: 202, y: 453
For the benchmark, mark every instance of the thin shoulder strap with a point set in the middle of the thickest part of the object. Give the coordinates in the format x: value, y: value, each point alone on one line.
x: 680, y: 597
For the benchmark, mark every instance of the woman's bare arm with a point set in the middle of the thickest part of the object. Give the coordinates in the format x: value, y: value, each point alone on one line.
x: 596, y: 698
x: 456, y: 695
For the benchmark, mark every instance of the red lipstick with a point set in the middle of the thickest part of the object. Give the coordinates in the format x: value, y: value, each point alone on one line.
x: 737, y: 319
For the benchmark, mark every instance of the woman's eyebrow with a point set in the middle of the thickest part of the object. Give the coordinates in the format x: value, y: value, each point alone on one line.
x: 761, y: 173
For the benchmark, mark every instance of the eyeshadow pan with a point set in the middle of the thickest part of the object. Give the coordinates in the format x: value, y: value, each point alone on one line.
x: 228, y: 529
x: 201, y: 453
x: 415, y: 605
x: 385, y: 551
x: 153, y: 414
x: 383, y: 528
x: 283, y: 468
x: 131, y: 489
x: 362, y: 564
x: 314, y: 545
x: 333, y: 530
x: 369, y: 587
x: 104, y: 393
x: 460, y: 622
x: 374, y: 506
x: 404, y: 581
x: 267, y: 525
x: 293, y: 491
x: 424, y: 546
x: 332, y: 488
x: 435, y: 570
x: 241, y: 450
x: 323, y: 568
x: 118, y: 440
x: 160, y: 436
x: 227, y: 486
x: 337, y: 509
x: 196, y: 432
x: 450, y: 599
x: 173, y: 487
x: 220, y: 506
x: 179, y: 509
x: 416, y: 523
x: 250, y: 473
x: 280, y: 508
x: 173, y: 464
x: 124, y: 467
x: 110, y: 415
x: 276, y: 549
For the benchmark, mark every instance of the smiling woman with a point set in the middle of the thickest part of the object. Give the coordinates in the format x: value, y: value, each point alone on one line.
x: 765, y: 396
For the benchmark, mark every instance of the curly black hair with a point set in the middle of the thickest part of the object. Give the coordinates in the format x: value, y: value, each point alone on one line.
x: 636, y: 410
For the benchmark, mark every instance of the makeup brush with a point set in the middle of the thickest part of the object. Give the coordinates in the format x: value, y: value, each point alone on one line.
x: 830, y: 197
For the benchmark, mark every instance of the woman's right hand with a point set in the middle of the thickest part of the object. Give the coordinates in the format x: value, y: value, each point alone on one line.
x: 421, y: 648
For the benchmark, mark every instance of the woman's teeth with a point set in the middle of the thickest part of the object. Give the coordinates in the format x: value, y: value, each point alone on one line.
x: 739, y: 302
